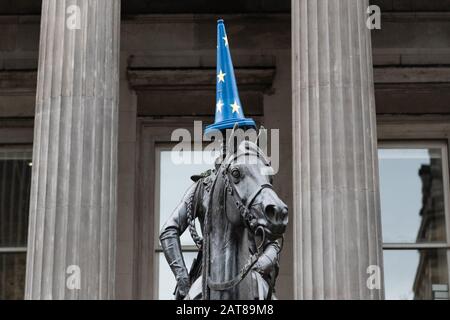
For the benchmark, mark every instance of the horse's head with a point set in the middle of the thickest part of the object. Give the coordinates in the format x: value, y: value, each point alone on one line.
x: 250, y: 198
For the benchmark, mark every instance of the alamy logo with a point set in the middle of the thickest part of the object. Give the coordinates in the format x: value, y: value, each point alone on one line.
x: 374, y: 279
x: 374, y: 19
x: 73, y: 21
x: 187, y: 143
x: 73, y: 281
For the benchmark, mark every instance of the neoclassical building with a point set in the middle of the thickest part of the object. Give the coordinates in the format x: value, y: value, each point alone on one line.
x: 91, y: 91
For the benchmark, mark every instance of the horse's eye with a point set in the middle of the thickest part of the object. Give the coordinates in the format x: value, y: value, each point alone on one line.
x: 236, y: 173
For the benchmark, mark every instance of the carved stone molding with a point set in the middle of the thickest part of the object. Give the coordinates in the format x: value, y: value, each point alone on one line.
x: 18, y: 82
x: 256, y: 79
x: 412, y: 75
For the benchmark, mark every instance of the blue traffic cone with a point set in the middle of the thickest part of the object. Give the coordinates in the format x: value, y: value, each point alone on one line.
x: 229, y: 109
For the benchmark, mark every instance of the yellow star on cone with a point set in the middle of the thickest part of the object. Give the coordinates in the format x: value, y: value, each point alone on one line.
x: 219, y: 105
x: 235, y: 107
x: 221, y: 76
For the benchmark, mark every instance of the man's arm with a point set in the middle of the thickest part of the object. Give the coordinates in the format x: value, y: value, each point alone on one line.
x: 170, y: 242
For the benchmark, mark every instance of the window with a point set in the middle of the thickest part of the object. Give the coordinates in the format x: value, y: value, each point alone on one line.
x: 415, y: 219
x: 169, y: 192
x: 15, y: 179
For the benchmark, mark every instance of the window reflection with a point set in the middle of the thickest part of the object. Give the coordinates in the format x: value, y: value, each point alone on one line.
x: 413, y: 215
x: 15, y: 179
x: 432, y: 212
x: 412, y: 196
x: 411, y: 274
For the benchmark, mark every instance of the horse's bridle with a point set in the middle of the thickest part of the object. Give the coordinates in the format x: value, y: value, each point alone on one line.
x: 243, y: 206
x: 249, y: 220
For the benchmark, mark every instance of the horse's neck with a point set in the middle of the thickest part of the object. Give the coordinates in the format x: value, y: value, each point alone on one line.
x: 229, y: 251
x: 229, y: 244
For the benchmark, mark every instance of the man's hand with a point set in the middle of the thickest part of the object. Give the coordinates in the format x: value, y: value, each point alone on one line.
x: 262, y: 267
x: 183, y: 287
x: 267, y: 262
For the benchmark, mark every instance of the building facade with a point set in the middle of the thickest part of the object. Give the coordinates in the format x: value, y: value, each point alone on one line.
x: 91, y: 91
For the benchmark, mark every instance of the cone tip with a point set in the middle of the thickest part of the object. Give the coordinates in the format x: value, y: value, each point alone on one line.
x: 219, y: 21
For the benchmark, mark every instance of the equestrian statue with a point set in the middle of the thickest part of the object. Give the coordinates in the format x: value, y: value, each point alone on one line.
x: 241, y: 217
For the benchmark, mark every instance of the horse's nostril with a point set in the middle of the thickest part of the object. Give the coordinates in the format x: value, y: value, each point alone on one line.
x: 276, y: 214
x: 270, y: 211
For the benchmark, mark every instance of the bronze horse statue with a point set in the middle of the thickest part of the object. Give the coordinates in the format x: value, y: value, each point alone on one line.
x: 243, y: 221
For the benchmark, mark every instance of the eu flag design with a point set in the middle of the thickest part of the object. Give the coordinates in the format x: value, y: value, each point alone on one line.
x: 228, y: 105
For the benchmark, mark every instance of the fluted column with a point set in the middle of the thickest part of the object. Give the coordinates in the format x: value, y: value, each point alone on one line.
x: 336, y: 201
x: 73, y: 193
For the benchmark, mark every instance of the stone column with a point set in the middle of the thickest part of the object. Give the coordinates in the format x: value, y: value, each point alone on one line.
x: 336, y: 212
x: 71, y: 245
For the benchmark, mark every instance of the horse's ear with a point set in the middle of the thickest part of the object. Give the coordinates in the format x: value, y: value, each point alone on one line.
x: 231, y: 145
x: 260, y: 132
x: 261, y: 140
